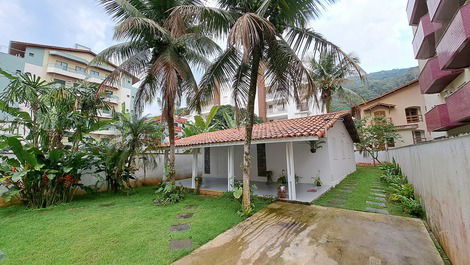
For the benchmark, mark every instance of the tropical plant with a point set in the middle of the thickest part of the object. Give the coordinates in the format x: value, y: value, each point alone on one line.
x: 269, y: 33
x: 159, y: 52
x: 330, y: 74
x: 374, y: 134
x: 41, y: 178
x: 168, y: 193
x: 200, y: 124
x: 228, y: 117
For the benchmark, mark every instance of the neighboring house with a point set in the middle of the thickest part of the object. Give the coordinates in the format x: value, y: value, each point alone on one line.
x: 442, y: 47
x: 68, y: 66
x: 179, y: 124
x: 404, y: 107
x: 301, y: 149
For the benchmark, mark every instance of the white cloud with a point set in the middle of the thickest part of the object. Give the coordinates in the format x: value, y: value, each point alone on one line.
x: 376, y: 31
x: 14, y: 20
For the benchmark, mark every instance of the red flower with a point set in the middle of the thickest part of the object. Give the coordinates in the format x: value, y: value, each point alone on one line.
x: 13, y: 169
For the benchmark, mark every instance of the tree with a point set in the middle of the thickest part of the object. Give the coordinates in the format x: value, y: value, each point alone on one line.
x: 260, y: 32
x: 330, y: 75
x: 375, y: 134
x: 200, y: 124
x: 159, y: 52
x: 228, y: 117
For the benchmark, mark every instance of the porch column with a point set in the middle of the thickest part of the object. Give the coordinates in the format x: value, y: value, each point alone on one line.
x: 194, y: 167
x: 231, y: 168
x: 290, y: 171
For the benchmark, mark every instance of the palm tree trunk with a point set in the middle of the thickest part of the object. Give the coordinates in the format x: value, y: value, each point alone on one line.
x: 171, y: 135
x: 249, y: 130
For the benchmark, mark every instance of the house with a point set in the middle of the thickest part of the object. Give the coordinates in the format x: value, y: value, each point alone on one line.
x: 178, y: 124
x: 301, y: 149
x: 404, y: 107
x: 441, y: 45
x: 69, y: 66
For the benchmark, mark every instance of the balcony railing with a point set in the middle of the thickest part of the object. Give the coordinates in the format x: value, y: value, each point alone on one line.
x: 415, y: 10
x: 424, y: 44
x: 441, y: 10
x: 433, y: 80
x: 459, y: 104
x: 453, y: 50
x: 414, y: 118
x: 111, y: 98
x: 437, y: 119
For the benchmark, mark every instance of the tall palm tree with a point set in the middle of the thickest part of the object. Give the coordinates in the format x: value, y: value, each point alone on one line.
x: 159, y: 52
x: 271, y: 33
x: 330, y: 75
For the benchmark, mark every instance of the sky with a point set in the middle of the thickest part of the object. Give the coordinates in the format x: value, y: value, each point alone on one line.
x: 374, y: 30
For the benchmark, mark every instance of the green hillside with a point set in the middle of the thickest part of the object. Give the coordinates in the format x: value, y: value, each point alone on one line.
x: 377, y: 84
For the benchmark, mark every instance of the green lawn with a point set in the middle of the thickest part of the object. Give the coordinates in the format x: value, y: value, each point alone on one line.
x: 363, y: 180
x: 111, y: 229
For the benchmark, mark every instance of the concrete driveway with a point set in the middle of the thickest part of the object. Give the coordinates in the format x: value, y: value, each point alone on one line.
x: 285, y: 233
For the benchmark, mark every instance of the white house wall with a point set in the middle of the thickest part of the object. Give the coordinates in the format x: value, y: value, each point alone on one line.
x: 341, y: 153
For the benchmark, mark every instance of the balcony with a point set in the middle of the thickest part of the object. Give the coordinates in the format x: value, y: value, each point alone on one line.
x: 424, y: 44
x: 107, y: 114
x: 111, y: 99
x: 433, y: 80
x: 437, y: 119
x: 65, y: 71
x: 458, y: 104
x: 415, y: 10
x: 453, y: 50
x: 442, y: 10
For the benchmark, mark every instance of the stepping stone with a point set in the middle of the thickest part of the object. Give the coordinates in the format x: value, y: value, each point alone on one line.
x: 1, y: 255
x: 378, y: 190
x: 179, y: 228
x: 333, y: 204
x: 380, y: 199
x: 344, y: 190
x: 184, y: 216
x: 178, y: 244
x: 191, y: 207
x: 375, y: 210
x: 107, y: 205
x: 380, y: 204
x: 378, y: 194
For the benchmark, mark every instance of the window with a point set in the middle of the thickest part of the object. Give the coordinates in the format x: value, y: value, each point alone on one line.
x: 413, y: 115
x: 207, y: 160
x: 79, y: 69
x: 261, y: 159
x: 94, y: 73
x: 59, y: 82
x: 62, y: 65
x: 380, y: 113
x: 418, y: 136
x: 391, y: 142
x: 128, y: 96
x: 302, y: 106
x: 31, y: 54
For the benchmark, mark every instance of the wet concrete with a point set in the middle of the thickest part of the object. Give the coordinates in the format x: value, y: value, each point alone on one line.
x: 286, y: 233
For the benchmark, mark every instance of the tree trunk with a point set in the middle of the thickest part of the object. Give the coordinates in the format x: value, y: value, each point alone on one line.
x: 171, y: 135
x: 249, y: 130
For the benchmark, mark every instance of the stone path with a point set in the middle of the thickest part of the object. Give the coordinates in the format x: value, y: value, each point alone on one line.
x: 377, y: 200
x: 180, y: 244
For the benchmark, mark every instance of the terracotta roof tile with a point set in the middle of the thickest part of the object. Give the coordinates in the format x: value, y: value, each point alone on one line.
x: 300, y: 127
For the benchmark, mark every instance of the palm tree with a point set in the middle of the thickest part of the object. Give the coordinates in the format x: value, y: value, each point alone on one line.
x: 270, y: 33
x: 330, y: 75
x: 159, y: 52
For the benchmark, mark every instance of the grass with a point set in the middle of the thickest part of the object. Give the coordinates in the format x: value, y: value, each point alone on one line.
x: 365, y: 178
x: 111, y: 229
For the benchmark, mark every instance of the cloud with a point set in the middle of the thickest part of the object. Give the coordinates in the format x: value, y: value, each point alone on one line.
x: 14, y: 19
x: 376, y: 31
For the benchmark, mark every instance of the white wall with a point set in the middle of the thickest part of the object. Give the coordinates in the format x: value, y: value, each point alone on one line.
x: 367, y: 159
x: 440, y: 173
x: 341, y: 153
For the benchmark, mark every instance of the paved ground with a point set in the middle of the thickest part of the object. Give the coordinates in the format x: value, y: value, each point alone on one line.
x: 285, y: 233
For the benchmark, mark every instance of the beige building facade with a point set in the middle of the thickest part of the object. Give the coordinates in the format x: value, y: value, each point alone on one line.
x: 404, y: 107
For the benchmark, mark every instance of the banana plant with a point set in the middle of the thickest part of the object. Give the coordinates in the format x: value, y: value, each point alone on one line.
x: 200, y: 124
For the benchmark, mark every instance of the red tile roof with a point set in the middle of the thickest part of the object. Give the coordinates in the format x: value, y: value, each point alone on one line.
x: 301, y: 127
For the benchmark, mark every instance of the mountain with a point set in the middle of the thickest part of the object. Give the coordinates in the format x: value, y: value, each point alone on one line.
x: 376, y: 84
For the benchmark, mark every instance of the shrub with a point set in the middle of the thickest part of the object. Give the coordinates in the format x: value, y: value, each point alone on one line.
x: 412, y: 206
x: 238, y: 195
x: 168, y: 193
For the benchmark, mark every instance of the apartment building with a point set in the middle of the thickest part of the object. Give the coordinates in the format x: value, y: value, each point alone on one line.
x: 404, y: 107
x: 267, y: 106
x: 442, y: 46
x: 68, y: 66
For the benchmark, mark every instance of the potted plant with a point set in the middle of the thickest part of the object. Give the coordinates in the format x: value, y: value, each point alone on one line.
x: 317, y: 182
x: 198, y: 181
x: 282, y: 189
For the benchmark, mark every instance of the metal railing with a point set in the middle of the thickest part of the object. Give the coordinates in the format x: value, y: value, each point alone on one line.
x: 414, y: 118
